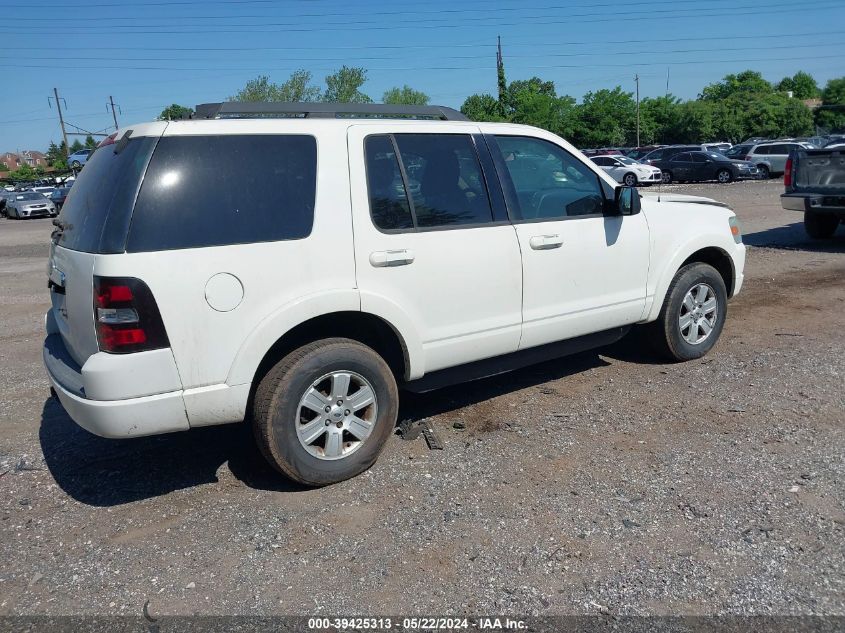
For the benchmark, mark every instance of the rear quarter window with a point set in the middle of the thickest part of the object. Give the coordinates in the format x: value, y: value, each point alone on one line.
x: 234, y: 189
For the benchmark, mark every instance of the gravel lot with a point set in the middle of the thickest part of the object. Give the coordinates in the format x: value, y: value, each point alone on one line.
x: 606, y: 482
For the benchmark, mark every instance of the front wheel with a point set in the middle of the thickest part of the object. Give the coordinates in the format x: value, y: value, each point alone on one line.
x: 630, y: 180
x: 667, y: 177
x: 724, y: 176
x: 324, y: 412
x: 693, y: 313
x: 820, y: 226
x: 76, y: 164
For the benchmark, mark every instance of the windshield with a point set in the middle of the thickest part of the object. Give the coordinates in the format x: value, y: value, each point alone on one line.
x: 627, y: 161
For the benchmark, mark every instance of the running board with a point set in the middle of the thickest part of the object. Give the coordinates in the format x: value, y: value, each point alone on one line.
x: 516, y: 360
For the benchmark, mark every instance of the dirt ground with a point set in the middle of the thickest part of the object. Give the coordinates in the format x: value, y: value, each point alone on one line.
x: 605, y: 482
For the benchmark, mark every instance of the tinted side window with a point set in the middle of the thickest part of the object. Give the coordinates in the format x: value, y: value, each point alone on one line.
x: 389, y: 206
x: 215, y: 190
x: 763, y: 150
x: 698, y: 157
x: 445, y: 182
x: 549, y: 182
x: 682, y: 158
x: 779, y: 149
x: 603, y: 162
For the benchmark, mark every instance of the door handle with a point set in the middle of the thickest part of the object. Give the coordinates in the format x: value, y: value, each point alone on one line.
x: 381, y: 259
x: 545, y: 242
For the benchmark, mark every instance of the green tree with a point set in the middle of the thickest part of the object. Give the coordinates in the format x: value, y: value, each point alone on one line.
x: 24, y: 172
x: 57, y: 156
x: 344, y: 86
x: 298, y: 88
x: 801, y: 84
x: 748, y: 81
x: 405, y: 96
x: 258, y: 89
x: 606, y: 117
x: 174, y: 112
x: 90, y: 143
x: 658, y: 118
x: 555, y: 114
x: 831, y: 115
x: 482, y: 107
x: 76, y: 146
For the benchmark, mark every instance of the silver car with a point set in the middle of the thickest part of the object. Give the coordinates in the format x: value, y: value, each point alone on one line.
x: 29, y: 204
x: 770, y: 158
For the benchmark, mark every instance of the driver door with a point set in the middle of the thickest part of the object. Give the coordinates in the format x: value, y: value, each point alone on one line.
x: 583, y: 271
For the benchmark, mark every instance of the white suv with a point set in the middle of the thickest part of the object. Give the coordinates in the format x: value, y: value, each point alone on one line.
x: 296, y: 271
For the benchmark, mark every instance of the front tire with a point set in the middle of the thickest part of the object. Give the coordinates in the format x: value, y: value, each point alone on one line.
x: 820, y: 226
x: 76, y: 164
x: 693, y: 313
x: 667, y: 177
x: 630, y: 180
x: 324, y: 412
x: 724, y: 176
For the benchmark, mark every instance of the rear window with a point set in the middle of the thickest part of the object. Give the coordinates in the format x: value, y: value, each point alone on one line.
x: 215, y: 190
x: 98, y: 208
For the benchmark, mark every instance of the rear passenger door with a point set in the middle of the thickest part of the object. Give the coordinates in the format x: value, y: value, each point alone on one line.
x: 433, y: 245
x: 583, y: 271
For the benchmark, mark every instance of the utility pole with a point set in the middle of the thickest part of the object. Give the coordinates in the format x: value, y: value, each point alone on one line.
x: 114, y: 115
x: 637, y: 80
x: 61, y: 119
x: 667, y: 81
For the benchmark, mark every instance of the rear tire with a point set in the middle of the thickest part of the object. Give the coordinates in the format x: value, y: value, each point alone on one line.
x: 820, y: 226
x: 76, y: 164
x: 693, y: 313
x: 763, y: 172
x: 308, y: 377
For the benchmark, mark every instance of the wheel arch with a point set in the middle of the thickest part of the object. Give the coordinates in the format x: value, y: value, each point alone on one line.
x: 706, y: 253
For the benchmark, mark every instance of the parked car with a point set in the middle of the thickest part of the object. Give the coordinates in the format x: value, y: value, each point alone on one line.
x: 305, y: 300
x: 814, y: 183
x: 601, y: 152
x: 627, y: 170
x: 44, y: 191
x: 668, y: 151
x: 638, y: 152
x: 59, y: 196
x: 720, y: 147
x: 79, y: 158
x: 701, y: 166
x: 770, y: 158
x: 4, y: 198
x: 738, y: 152
x: 29, y: 204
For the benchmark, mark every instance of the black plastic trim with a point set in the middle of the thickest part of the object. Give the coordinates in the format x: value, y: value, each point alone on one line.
x: 516, y: 360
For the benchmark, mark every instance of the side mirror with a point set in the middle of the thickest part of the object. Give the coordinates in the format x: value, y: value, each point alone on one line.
x: 627, y: 200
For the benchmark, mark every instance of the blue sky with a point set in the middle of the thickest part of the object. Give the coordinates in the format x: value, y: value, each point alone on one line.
x: 151, y: 53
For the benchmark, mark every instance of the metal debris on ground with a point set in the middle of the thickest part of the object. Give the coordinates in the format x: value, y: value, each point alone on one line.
x: 412, y: 429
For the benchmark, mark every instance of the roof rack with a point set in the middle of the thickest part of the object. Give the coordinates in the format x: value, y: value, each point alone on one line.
x: 242, y: 109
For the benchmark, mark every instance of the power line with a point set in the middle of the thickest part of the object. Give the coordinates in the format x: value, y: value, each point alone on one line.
x: 440, y: 68
x: 688, y: 38
x: 487, y: 9
x: 445, y: 57
x: 789, y: 8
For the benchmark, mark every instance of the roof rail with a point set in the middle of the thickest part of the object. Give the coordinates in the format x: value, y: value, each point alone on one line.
x: 245, y: 109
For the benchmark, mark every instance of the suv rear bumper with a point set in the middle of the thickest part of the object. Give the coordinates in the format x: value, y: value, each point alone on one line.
x: 131, y: 417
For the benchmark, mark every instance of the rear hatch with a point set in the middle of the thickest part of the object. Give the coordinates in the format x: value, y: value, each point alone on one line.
x: 94, y: 221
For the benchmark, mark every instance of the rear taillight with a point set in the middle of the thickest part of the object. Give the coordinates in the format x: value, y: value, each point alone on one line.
x: 126, y: 316
x: 787, y: 173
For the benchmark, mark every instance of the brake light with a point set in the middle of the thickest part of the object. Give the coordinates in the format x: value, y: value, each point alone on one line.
x: 109, y: 140
x: 787, y: 173
x: 126, y: 316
